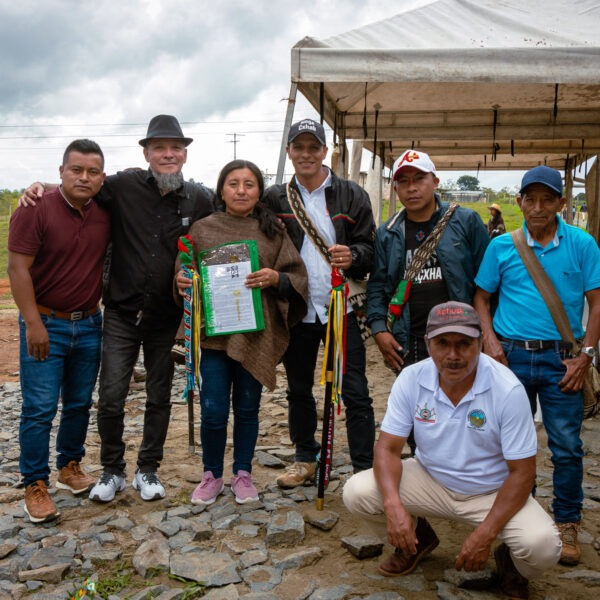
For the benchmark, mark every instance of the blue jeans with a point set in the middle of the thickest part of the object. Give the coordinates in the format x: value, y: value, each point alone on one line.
x: 223, y: 379
x: 540, y: 371
x: 300, y: 361
x: 70, y: 372
x: 122, y: 341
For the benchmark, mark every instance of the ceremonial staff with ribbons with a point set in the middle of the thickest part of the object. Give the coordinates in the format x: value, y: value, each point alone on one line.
x: 191, y: 328
x: 332, y: 375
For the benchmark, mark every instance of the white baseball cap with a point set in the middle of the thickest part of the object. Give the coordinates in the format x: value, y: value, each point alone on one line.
x: 413, y: 158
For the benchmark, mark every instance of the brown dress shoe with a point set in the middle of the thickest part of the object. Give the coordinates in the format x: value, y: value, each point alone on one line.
x: 511, y: 582
x: 399, y: 563
x: 571, y: 552
x: 38, y: 504
x: 72, y: 478
x: 298, y: 474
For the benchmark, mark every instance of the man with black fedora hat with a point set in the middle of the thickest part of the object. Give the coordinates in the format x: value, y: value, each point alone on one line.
x: 149, y: 209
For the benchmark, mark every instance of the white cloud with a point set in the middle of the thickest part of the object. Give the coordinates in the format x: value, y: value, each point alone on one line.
x: 103, y: 69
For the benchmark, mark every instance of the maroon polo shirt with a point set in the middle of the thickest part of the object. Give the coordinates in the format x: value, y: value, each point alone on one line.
x: 69, y: 250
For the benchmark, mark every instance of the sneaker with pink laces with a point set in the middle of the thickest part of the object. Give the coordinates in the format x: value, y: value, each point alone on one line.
x: 243, y: 488
x: 208, y: 489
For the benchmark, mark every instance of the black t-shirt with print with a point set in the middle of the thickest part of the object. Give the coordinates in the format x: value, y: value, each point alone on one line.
x: 429, y: 288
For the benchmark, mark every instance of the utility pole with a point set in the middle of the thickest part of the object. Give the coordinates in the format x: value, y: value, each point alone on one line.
x: 235, y: 141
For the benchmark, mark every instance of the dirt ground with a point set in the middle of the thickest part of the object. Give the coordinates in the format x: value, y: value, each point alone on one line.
x: 180, y: 471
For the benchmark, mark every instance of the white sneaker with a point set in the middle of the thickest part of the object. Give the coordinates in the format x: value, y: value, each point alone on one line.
x: 107, y: 486
x: 149, y: 485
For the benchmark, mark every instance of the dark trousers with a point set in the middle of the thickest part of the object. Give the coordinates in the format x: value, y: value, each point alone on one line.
x: 121, y: 345
x: 300, y: 361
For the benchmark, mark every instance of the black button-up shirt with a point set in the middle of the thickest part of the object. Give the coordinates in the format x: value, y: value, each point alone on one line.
x: 145, y: 228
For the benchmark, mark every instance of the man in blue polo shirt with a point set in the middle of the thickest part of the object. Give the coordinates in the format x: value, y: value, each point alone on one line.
x: 524, y: 337
x: 474, y: 462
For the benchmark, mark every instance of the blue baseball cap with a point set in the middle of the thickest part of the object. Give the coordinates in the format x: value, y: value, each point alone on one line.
x: 544, y: 175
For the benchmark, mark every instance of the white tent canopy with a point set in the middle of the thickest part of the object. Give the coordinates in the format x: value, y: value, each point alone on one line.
x: 495, y: 84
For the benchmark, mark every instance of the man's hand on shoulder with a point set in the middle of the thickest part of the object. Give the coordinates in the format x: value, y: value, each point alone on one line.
x: 31, y: 194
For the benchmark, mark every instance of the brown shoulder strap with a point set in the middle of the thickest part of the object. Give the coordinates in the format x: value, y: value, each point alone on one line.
x: 544, y: 286
x: 306, y: 223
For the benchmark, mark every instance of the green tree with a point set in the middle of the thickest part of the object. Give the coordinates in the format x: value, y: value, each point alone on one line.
x: 467, y: 183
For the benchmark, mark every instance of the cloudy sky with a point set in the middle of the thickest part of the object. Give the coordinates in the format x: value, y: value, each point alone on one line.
x: 102, y: 69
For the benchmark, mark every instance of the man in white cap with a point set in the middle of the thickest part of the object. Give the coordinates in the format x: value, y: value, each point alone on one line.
x: 523, y: 334
x: 448, y: 274
x: 474, y: 464
x: 149, y: 210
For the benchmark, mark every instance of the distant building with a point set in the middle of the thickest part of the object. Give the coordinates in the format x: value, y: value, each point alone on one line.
x: 463, y: 196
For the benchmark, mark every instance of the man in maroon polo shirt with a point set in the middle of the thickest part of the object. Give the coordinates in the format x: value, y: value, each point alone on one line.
x: 55, y: 261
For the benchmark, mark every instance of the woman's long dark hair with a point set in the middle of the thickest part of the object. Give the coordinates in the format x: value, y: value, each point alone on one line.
x: 267, y: 220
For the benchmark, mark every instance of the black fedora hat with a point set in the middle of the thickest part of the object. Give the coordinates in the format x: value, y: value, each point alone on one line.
x: 165, y: 126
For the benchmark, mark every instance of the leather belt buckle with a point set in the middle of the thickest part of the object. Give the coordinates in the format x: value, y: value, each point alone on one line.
x: 533, y: 344
x: 77, y: 315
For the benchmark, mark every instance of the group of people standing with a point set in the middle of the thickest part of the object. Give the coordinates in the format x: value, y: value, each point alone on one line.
x: 467, y: 445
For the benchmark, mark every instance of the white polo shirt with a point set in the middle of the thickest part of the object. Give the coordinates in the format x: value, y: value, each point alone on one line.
x: 463, y: 447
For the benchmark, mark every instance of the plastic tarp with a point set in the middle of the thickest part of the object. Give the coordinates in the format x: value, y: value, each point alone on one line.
x: 491, y: 84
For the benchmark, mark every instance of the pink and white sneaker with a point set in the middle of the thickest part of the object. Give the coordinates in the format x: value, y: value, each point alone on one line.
x: 243, y: 488
x: 208, y: 489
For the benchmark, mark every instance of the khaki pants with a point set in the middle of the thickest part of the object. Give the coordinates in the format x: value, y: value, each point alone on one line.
x: 531, y: 535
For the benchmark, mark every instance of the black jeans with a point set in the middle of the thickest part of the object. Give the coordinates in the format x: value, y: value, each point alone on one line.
x: 121, y: 345
x: 300, y: 361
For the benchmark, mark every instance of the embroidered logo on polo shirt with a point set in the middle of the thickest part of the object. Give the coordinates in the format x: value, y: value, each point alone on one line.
x: 425, y: 414
x: 477, y: 419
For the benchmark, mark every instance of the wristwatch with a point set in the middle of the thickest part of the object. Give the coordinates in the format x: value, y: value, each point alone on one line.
x: 589, y: 351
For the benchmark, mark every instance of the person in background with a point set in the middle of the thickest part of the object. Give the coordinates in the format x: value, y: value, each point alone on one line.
x: 55, y: 259
x: 474, y: 463
x: 235, y: 367
x: 523, y: 334
x: 495, y: 225
x: 341, y: 212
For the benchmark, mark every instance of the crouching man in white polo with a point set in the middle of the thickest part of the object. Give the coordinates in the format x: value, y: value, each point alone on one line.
x: 475, y: 460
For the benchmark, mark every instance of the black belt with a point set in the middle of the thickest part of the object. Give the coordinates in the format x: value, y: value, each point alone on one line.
x: 72, y: 316
x: 534, y: 345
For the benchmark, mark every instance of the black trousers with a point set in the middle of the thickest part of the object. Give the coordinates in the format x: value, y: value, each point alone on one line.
x: 300, y: 361
x: 121, y: 344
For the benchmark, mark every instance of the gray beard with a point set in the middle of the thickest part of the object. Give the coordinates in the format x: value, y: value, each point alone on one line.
x: 168, y: 182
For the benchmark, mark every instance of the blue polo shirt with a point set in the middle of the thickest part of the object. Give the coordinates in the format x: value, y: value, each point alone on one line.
x: 571, y: 260
x: 463, y: 447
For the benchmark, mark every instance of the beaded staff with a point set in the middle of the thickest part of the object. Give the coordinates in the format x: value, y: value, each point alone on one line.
x: 192, y: 305
x: 332, y: 375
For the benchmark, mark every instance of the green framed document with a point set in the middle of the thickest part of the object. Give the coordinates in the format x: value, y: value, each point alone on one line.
x: 229, y: 306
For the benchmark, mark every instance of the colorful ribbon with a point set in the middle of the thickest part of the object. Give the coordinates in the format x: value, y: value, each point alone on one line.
x: 192, y: 316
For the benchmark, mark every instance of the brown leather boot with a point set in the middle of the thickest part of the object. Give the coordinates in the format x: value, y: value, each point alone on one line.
x: 511, y: 582
x: 399, y: 563
x: 38, y: 504
x: 571, y: 552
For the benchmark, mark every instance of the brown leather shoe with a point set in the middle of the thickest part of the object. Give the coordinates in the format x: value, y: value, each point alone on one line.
x: 298, y: 474
x: 511, y: 582
x: 75, y: 480
x: 571, y: 552
x: 399, y: 563
x: 38, y: 504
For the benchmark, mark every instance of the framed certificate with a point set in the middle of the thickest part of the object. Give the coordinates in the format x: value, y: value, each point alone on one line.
x: 229, y: 306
